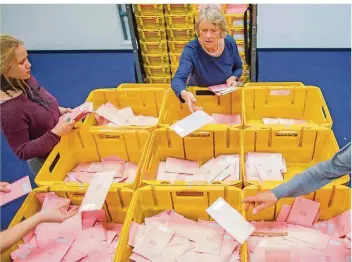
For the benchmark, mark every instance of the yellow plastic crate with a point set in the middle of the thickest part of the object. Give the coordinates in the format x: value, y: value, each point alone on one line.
x: 148, y: 10
x: 177, y: 46
x: 157, y: 71
x: 302, y: 147
x: 151, y: 48
x: 150, y: 35
x: 242, y: 55
x: 274, y: 84
x: 237, y: 33
x: 333, y: 199
x: 212, y: 142
x: 178, y: 9
x: 180, y: 34
x: 173, y: 70
x: 83, y: 145
x: 235, y: 19
x: 144, y: 86
x: 175, y: 58
x: 285, y: 101
x: 240, y: 46
x: 175, y: 110
x: 179, y: 21
x: 158, y: 80
x: 116, y: 207
x: 150, y: 22
x: 156, y: 60
x: 143, y: 101
x: 190, y: 202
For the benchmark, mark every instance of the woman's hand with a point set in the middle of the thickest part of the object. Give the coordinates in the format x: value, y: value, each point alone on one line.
x: 64, y: 110
x: 4, y: 188
x: 231, y: 81
x: 190, y: 100
x: 57, y: 214
x: 63, y: 127
x: 263, y: 199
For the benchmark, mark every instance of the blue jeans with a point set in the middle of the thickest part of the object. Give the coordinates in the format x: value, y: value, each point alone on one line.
x: 35, y: 164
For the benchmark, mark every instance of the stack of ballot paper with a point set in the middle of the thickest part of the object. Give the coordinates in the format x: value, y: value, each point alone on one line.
x: 85, y: 237
x: 283, y: 121
x: 222, y: 89
x: 221, y: 168
x: 297, y: 235
x: 78, y: 113
x: 125, y: 172
x: 171, y: 237
x: 109, y: 115
x: 17, y: 189
x: 226, y: 119
x: 264, y: 166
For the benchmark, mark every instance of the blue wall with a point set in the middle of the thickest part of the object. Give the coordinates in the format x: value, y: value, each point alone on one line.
x: 69, y: 76
x: 329, y: 69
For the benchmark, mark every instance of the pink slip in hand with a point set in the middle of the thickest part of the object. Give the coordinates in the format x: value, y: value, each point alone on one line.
x: 303, y: 212
x: 19, y: 188
x: 181, y: 166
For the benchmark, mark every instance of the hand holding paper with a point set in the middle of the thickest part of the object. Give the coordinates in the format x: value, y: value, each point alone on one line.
x: 14, y: 190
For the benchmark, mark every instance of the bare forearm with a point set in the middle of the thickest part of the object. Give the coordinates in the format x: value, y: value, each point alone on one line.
x: 10, y: 236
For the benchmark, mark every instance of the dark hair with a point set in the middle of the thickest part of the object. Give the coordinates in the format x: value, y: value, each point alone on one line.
x: 30, y: 90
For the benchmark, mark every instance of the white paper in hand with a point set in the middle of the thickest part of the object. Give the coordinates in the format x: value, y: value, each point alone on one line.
x: 231, y: 220
x: 191, y: 123
x: 97, y: 191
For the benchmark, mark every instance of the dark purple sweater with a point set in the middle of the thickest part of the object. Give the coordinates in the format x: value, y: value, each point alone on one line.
x: 27, y: 125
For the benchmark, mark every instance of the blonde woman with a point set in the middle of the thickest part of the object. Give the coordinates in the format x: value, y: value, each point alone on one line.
x: 29, y: 114
x: 211, y: 59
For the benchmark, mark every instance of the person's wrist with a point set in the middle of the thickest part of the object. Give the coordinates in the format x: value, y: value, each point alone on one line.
x: 54, y: 131
x: 41, y: 217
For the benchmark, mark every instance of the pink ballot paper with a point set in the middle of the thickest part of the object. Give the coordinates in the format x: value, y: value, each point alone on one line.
x: 303, y: 212
x: 231, y: 220
x: 97, y: 191
x: 19, y: 188
x: 191, y: 123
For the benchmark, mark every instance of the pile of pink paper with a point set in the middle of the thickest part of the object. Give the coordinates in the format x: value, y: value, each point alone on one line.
x: 283, y: 121
x: 84, y: 237
x: 221, y: 168
x: 109, y: 115
x: 226, y: 119
x: 298, y: 236
x: 236, y: 9
x: 83, y: 173
x: 264, y: 166
x: 79, y: 112
x: 171, y: 237
x: 222, y: 89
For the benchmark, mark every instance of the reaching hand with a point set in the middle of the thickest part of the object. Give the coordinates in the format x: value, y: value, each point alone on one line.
x: 231, y: 81
x: 64, y: 110
x: 190, y: 100
x: 63, y: 127
x: 4, y: 188
x: 57, y: 214
x: 264, y: 199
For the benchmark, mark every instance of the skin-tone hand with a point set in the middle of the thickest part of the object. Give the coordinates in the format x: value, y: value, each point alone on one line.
x: 4, y: 188
x: 63, y: 128
x: 190, y: 100
x: 12, y: 235
x: 64, y: 110
x: 263, y: 201
x: 57, y: 214
x: 231, y: 81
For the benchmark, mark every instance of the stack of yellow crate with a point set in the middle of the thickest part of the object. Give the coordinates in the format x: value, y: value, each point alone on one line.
x: 234, y: 15
x: 179, y: 29
x: 152, y: 34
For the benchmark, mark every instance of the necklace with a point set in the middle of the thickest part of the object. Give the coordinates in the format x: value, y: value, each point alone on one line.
x: 212, y: 54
